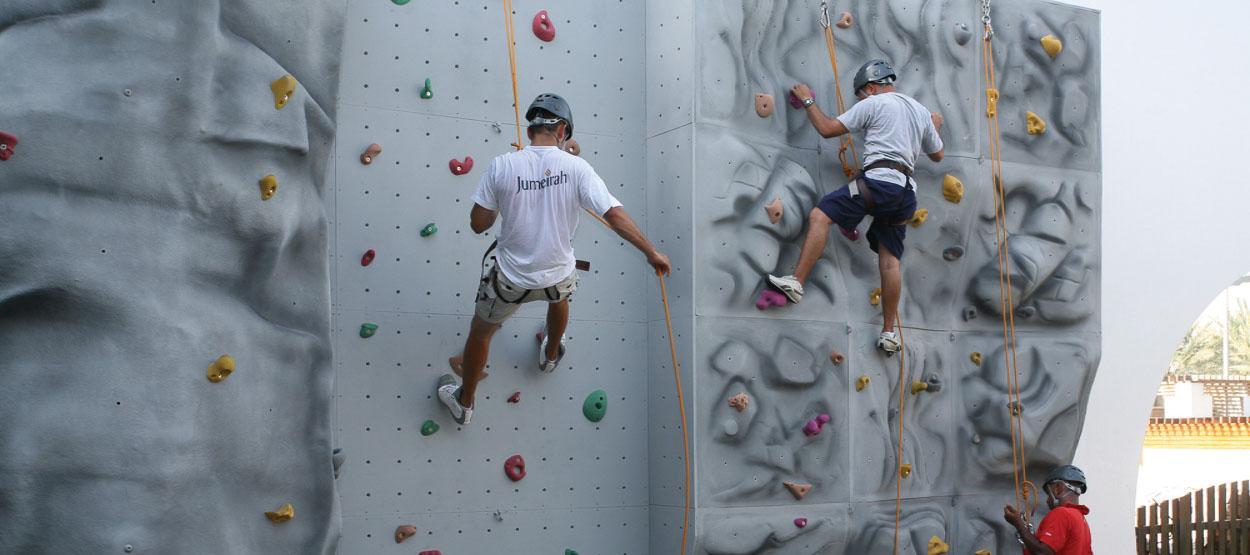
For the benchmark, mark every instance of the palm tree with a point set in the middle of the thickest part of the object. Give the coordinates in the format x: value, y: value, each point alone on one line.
x: 1201, y: 351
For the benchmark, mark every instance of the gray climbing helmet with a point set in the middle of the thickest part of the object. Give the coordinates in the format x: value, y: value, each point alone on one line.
x: 874, y: 70
x: 1066, y: 473
x: 554, y: 104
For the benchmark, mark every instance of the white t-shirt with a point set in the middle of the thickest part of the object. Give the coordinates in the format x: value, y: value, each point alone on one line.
x: 539, y: 193
x: 896, y: 127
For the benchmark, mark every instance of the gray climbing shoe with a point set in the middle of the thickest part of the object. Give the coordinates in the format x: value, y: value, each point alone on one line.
x: 789, y: 286
x: 889, y: 343
x: 449, y: 395
x: 549, y: 366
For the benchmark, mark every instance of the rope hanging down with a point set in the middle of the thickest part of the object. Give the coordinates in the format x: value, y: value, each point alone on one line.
x: 1025, y: 491
x: 668, y: 321
x: 849, y: 167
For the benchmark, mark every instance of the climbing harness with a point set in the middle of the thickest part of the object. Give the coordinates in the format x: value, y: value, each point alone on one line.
x: 668, y: 320
x: 1025, y: 491
x: 490, y: 276
x: 847, y: 143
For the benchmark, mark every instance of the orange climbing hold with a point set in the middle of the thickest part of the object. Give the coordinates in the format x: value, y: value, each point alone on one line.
x: 904, y: 470
x: 764, y: 105
x: 775, y: 210
x: 845, y: 21
x: 404, y: 532
x: 796, y: 489
x: 284, y: 513
x: 370, y: 153
x: 268, y: 187
x: 740, y: 402
x: 1052, y: 45
x: 283, y: 89
x: 544, y: 29
x: 836, y: 357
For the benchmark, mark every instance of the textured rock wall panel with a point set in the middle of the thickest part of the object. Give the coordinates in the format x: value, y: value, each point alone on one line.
x: 957, y: 438
x: 135, y: 250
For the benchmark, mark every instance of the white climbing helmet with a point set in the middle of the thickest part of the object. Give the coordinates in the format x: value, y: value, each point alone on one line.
x: 556, y: 106
x: 872, y: 72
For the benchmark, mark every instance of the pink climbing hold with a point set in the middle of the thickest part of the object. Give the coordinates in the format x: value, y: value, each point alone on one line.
x: 7, y: 144
x: 800, y: 522
x: 514, y: 467
x: 515, y: 397
x: 461, y: 168
x: 795, y: 102
x: 367, y: 258
x: 816, y: 425
x: 852, y: 234
x: 769, y: 298
x: 431, y: 552
x: 836, y: 357
x: 544, y: 29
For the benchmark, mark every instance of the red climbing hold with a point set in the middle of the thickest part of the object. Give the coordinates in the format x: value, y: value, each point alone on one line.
x: 800, y: 522
x: 461, y: 168
x: 7, y: 144
x: 431, y: 552
x: 514, y: 467
x: 544, y: 29
x: 769, y: 298
x: 852, y: 234
x: 795, y: 102
x: 836, y: 357
x: 367, y: 259
x: 515, y: 397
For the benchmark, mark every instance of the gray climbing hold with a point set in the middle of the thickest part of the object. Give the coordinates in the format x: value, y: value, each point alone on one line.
x: 970, y: 313
x: 952, y: 254
x: 962, y: 34
x: 976, y: 439
x: 337, y: 457
x: 1026, y: 312
x: 730, y: 427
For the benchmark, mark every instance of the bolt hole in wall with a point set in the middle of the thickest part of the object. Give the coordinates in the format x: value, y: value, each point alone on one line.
x: 1198, y: 435
x: 430, y: 125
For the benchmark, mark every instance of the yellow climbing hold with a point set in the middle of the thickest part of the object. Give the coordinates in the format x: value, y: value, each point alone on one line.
x: 904, y: 470
x: 976, y: 357
x: 919, y: 217
x: 221, y: 368
x: 1052, y: 45
x: 861, y: 383
x: 874, y: 298
x: 1035, y: 124
x: 991, y: 103
x: 952, y: 189
x: 938, y: 547
x: 283, y: 89
x: 284, y: 513
x: 268, y: 187
x: 918, y: 386
x: 982, y: 552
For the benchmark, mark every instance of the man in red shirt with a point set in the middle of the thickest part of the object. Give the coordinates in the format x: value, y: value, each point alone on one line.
x: 1064, y: 530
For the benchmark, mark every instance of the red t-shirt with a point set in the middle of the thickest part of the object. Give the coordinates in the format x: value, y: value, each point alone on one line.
x: 1065, y: 531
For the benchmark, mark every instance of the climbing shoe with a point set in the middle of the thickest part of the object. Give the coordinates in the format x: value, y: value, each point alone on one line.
x: 789, y: 286
x: 888, y: 342
x: 545, y: 365
x: 449, y: 394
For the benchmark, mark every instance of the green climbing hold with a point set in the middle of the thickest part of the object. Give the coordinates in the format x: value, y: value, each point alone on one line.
x: 400, y: 2
x: 569, y: 552
x: 596, y: 405
x: 367, y: 330
x: 429, y: 428
x: 428, y: 230
x: 427, y: 92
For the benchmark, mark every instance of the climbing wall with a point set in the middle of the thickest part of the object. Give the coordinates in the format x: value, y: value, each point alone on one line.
x: 586, y: 483
x: 956, y: 434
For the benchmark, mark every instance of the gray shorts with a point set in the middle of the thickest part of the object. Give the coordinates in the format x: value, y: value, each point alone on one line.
x: 498, y: 298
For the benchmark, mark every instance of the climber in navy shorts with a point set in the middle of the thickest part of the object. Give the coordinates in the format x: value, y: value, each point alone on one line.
x: 896, y: 130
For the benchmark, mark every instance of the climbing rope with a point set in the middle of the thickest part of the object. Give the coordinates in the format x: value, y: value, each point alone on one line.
x: 1025, y: 491
x: 668, y: 321
x: 902, y: 407
x: 847, y: 143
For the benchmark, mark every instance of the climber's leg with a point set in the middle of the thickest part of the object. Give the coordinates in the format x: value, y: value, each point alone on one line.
x: 838, y: 207
x: 557, y: 322
x: 891, y: 287
x: 476, y: 353
x: 814, y: 244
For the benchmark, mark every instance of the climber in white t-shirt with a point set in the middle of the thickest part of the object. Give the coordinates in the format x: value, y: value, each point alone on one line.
x: 538, y: 193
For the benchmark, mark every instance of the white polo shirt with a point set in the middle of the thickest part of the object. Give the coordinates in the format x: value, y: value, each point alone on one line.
x: 896, y: 127
x: 539, y: 193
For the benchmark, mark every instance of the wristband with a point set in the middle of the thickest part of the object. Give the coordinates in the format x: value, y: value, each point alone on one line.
x: 808, y: 102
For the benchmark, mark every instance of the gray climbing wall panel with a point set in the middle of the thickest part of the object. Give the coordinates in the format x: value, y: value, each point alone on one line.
x: 587, y: 483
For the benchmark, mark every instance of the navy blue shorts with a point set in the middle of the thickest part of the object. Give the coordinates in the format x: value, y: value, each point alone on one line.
x: 893, y: 207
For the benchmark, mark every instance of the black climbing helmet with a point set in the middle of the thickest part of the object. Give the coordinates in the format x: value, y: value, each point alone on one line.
x: 554, y: 104
x: 1066, y: 473
x: 874, y: 70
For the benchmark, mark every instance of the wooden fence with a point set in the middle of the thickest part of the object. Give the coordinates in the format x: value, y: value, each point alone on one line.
x: 1215, y: 520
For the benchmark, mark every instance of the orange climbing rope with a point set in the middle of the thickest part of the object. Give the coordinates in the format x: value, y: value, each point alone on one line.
x: 1025, y: 491
x: 902, y: 406
x: 668, y: 321
x: 848, y: 167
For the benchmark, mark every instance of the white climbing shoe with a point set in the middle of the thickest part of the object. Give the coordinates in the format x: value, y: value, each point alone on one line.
x: 789, y: 286
x: 549, y: 366
x: 889, y: 343
x: 449, y: 395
